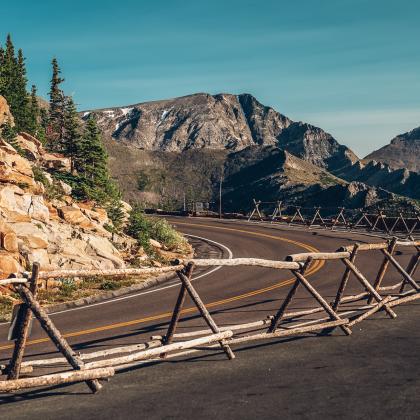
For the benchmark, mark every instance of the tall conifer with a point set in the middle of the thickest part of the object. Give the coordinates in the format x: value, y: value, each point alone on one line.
x: 71, y: 135
x: 56, y: 114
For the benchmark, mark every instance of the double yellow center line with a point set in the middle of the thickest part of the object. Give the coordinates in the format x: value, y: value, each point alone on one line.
x: 315, y: 267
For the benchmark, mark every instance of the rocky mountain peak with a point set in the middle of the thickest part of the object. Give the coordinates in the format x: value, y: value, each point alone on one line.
x: 402, y: 152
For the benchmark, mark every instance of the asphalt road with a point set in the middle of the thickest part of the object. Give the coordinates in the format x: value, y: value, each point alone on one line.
x: 373, y: 373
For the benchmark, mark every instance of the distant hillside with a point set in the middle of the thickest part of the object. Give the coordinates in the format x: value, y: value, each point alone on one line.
x: 403, y: 152
x: 271, y: 174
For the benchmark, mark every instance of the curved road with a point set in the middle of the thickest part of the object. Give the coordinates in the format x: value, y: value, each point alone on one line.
x: 279, y: 378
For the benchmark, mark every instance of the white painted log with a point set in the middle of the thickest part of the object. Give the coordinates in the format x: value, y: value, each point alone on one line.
x: 301, y: 257
x: 56, y: 379
x: 287, y: 332
x: 259, y: 262
x: 405, y: 299
x: 227, y: 328
x: 123, y: 272
x: 94, y: 355
x: 393, y: 287
x: 381, y: 245
x: 146, y: 354
x: 370, y: 312
x: 16, y: 280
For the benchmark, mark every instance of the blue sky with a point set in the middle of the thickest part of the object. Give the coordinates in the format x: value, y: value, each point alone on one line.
x: 351, y: 67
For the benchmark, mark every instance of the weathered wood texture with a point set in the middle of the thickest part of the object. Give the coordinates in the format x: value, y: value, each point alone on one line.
x: 94, y: 355
x: 19, y: 347
x: 204, y: 312
x: 230, y: 262
x: 55, y: 335
x: 56, y: 379
x: 146, y: 354
x: 317, y: 256
x: 122, y: 272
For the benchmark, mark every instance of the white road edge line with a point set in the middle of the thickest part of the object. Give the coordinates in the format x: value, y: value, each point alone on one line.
x: 230, y: 256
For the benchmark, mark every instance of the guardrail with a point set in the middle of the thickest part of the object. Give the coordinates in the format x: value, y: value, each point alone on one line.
x: 337, y: 217
x: 340, y: 313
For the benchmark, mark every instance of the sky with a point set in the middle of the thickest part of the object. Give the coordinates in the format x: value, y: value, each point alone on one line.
x: 351, y: 67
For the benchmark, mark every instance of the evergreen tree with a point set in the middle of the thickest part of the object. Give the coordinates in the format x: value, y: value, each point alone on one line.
x: 71, y: 134
x: 2, y: 79
x: 8, y: 72
x: 9, y: 133
x: 20, y: 106
x: 43, y: 125
x: 55, y: 129
x: 92, y: 158
x: 33, y: 114
x: 13, y: 83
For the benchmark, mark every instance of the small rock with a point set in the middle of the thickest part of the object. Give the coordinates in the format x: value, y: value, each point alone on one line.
x: 155, y: 244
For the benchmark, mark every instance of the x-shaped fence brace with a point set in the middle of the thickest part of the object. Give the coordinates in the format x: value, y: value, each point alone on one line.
x: 372, y: 222
x: 280, y: 324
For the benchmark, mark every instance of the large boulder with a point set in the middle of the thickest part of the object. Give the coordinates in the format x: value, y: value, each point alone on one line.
x: 14, y: 169
x: 6, y: 116
x: 8, y: 265
x: 74, y: 216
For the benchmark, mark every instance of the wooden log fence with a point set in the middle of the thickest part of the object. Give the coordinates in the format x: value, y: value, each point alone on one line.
x: 341, y: 313
x: 336, y: 218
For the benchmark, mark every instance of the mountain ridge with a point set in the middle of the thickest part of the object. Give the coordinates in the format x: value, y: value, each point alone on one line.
x: 229, y: 123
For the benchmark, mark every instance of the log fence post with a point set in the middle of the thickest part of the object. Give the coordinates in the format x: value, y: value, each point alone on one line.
x: 383, y: 268
x: 330, y: 311
x: 345, y: 278
x: 204, y: 312
x: 56, y: 337
x: 168, y: 338
x: 369, y: 288
x: 280, y: 313
x: 23, y: 329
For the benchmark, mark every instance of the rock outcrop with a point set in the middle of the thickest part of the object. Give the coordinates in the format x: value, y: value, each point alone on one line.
x: 57, y: 233
x: 271, y: 174
x: 403, y: 152
x: 5, y: 115
x: 218, y: 122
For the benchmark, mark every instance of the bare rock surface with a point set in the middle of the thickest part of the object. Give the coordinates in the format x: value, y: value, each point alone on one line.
x: 403, y: 152
x: 57, y: 233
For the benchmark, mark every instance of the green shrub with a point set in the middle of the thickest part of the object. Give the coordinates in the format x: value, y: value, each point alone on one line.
x: 109, y: 285
x: 143, y: 228
x: 68, y: 286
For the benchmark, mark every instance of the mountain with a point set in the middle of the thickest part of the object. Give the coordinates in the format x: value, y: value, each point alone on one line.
x: 160, y: 150
x: 403, y: 152
x: 272, y: 173
x: 218, y: 122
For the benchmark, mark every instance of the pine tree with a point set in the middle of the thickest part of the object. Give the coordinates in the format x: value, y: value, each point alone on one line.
x: 33, y: 126
x: 8, y: 72
x: 71, y: 134
x: 55, y: 129
x: 91, y: 164
x: 2, y: 79
x: 13, y: 83
x: 92, y: 158
x: 9, y: 133
x: 20, y: 106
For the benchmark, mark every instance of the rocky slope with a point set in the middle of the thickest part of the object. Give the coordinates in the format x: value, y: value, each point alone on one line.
x: 39, y: 221
x: 271, y: 173
x: 403, y: 152
x: 218, y: 122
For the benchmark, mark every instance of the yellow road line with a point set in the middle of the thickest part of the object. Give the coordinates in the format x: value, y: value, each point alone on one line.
x: 316, y: 266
